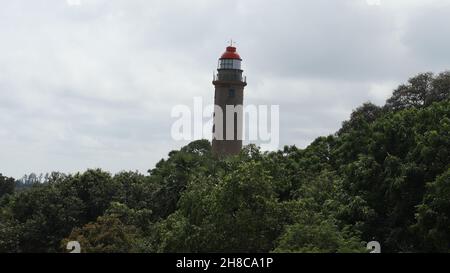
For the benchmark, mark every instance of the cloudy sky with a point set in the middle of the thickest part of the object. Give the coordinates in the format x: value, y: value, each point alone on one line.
x: 91, y: 83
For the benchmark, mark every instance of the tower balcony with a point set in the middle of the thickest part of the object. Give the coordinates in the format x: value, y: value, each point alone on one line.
x: 233, y: 77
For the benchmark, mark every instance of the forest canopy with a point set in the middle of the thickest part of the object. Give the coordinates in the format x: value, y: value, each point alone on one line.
x: 383, y: 176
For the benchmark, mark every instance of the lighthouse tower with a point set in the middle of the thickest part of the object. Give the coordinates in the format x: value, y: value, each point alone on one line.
x: 228, y: 100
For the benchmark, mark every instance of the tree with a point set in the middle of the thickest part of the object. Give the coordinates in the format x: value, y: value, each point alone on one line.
x: 387, y: 170
x: 96, y: 189
x: 321, y: 237
x: 172, y: 175
x: 140, y: 218
x: 421, y: 90
x: 10, y: 231
x: 361, y: 117
x: 107, y: 235
x: 232, y: 211
x: 413, y: 94
x: 6, y: 185
x: 440, y: 88
x: 45, y: 215
x: 433, y: 215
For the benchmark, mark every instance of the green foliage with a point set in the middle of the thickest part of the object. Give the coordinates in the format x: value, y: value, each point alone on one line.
x: 361, y: 118
x: 388, y: 170
x: 46, y: 213
x: 43, y: 215
x: 433, y: 217
x: 172, y: 175
x: 9, y: 232
x: 235, y: 211
x: 421, y: 90
x: 107, y: 235
x: 383, y: 176
x: 7, y: 185
x: 96, y: 189
x: 321, y: 237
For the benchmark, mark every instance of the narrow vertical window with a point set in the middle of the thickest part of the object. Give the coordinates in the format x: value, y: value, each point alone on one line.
x: 231, y: 93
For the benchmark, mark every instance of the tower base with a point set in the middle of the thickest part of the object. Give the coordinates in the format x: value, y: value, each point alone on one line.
x: 224, y: 148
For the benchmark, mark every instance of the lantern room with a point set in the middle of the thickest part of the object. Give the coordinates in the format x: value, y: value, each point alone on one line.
x: 230, y: 59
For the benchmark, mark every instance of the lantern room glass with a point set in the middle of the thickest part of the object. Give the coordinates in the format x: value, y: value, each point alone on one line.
x: 230, y: 64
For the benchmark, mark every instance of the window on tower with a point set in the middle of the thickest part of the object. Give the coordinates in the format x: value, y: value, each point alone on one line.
x: 231, y: 93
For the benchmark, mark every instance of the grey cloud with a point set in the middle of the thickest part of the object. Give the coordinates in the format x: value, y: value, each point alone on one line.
x: 427, y: 36
x: 93, y: 85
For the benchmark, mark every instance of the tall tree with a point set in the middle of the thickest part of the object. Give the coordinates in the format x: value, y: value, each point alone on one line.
x: 7, y: 185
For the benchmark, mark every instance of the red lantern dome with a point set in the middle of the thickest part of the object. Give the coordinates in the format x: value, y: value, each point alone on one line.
x: 231, y: 54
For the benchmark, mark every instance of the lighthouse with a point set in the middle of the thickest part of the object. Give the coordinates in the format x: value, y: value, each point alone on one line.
x: 229, y: 84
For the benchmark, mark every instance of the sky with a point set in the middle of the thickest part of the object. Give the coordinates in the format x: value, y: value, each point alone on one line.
x: 91, y: 83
